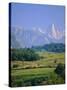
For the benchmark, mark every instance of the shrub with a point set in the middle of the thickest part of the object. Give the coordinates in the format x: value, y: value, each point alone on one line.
x: 60, y: 70
x: 15, y: 65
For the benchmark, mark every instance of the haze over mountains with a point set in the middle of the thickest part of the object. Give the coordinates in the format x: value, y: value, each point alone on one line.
x: 21, y: 38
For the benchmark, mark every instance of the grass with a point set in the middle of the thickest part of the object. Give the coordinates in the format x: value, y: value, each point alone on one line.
x: 35, y: 71
x: 40, y: 72
x: 48, y: 60
x: 29, y: 75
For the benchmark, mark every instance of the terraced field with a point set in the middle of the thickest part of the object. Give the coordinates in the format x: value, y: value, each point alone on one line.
x: 40, y: 72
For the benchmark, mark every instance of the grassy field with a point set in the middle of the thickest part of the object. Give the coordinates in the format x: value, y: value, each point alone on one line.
x: 40, y: 72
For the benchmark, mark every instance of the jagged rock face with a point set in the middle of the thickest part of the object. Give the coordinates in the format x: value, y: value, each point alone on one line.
x: 21, y: 37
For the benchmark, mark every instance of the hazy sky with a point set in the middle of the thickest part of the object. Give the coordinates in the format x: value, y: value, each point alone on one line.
x: 37, y: 16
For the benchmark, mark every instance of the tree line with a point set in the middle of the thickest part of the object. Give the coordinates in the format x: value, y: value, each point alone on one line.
x: 26, y: 54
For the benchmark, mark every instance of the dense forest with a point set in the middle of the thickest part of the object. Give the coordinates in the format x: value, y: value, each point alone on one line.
x: 25, y: 54
x: 53, y: 47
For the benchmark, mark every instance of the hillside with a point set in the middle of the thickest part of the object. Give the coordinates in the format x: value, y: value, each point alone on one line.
x: 53, y: 47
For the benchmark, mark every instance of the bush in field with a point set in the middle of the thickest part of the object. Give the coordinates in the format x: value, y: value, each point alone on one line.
x: 60, y: 70
x: 15, y: 65
x: 24, y: 54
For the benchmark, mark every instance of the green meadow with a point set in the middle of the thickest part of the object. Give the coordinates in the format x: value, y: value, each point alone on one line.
x: 37, y: 72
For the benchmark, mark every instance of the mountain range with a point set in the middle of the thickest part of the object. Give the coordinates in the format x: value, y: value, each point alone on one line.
x: 21, y: 38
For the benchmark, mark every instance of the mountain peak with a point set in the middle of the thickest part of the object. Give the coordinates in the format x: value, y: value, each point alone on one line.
x: 36, y: 36
x: 56, y: 33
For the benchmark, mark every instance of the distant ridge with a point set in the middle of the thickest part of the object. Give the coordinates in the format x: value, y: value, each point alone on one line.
x: 52, y: 47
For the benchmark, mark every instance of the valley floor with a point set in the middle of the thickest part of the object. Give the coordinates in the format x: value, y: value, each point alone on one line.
x: 40, y: 72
